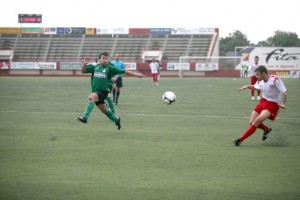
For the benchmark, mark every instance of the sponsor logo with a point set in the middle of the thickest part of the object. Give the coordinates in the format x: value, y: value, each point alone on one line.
x: 100, y: 75
x: 279, y: 54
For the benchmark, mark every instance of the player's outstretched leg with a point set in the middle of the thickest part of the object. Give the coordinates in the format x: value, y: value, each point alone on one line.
x: 236, y: 142
x: 82, y: 119
x: 114, y: 118
x: 246, y: 134
x: 110, y: 104
x: 88, y: 109
x: 118, y: 123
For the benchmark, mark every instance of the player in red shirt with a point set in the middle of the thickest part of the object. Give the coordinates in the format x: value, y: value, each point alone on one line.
x: 274, y: 95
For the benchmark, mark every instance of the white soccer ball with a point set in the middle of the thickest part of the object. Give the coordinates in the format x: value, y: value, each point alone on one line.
x: 169, y: 97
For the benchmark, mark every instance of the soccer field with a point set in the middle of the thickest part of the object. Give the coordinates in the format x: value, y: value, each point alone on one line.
x: 181, y: 151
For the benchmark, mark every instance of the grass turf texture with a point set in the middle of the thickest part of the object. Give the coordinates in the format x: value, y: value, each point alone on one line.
x: 181, y: 151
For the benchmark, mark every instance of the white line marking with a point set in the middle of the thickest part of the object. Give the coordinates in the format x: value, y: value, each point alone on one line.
x: 145, y: 114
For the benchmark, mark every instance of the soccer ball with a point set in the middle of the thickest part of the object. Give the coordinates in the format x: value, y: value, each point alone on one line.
x: 169, y: 97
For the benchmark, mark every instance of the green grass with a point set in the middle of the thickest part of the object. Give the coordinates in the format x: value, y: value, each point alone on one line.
x: 182, y: 151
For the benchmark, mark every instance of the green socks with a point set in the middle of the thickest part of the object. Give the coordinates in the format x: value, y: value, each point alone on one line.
x: 88, y: 109
x: 112, y: 116
x: 110, y: 104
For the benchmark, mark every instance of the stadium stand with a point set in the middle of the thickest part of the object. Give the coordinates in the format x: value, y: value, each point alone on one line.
x: 7, y: 41
x: 39, y: 47
x: 30, y: 47
x: 65, y: 48
x: 93, y: 44
x: 59, y: 51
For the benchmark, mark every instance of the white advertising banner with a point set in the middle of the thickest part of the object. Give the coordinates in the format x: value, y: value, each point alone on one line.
x: 187, y: 31
x: 50, y: 31
x: 277, y: 58
x: 112, y: 31
x: 130, y: 66
x: 70, y: 65
x: 178, y: 66
x: 206, y: 66
x: 44, y: 65
x: 21, y: 65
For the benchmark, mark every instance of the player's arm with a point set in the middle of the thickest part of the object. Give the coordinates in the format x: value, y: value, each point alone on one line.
x: 284, y: 93
x: 116, y: 71
x: 84, y: 64
x: 283, y: 100
x: 114, y: 78
x: 137, y: 74
x: 247, y: 87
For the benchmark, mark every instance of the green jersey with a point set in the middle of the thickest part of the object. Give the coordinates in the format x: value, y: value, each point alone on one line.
x: 94, y: 64
x: 244, y: 68
x: 102, y: 75
x: 110, y: 82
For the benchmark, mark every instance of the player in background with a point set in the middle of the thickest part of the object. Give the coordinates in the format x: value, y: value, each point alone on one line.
x: 245, y: 70
x: 90, y: 105
x: 103, y: 72
x: 154, y: 66
x: 119, y: 80
x: 253, y: 78
x: 274, y: 96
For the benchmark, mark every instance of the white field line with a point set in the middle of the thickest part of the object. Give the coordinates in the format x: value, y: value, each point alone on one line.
x: 144, y: 115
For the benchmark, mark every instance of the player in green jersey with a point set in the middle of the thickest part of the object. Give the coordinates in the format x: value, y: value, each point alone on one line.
x: 102, y: 73
x: 90, y: 105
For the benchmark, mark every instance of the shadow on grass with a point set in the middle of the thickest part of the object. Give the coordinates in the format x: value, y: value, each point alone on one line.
x: 277, y: 142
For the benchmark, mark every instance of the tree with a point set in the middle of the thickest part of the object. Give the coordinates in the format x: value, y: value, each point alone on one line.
x: 263, y: 44
x: 284, y: 39
x: 236, y: 39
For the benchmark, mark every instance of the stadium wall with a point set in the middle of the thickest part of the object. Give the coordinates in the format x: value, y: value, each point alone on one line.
x: 56, y: 69
x: 163, y: 73
x: 168, y: 70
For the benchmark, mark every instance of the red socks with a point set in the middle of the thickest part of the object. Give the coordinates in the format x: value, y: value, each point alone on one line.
x: 248, y: 132
x: 263, y: 127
